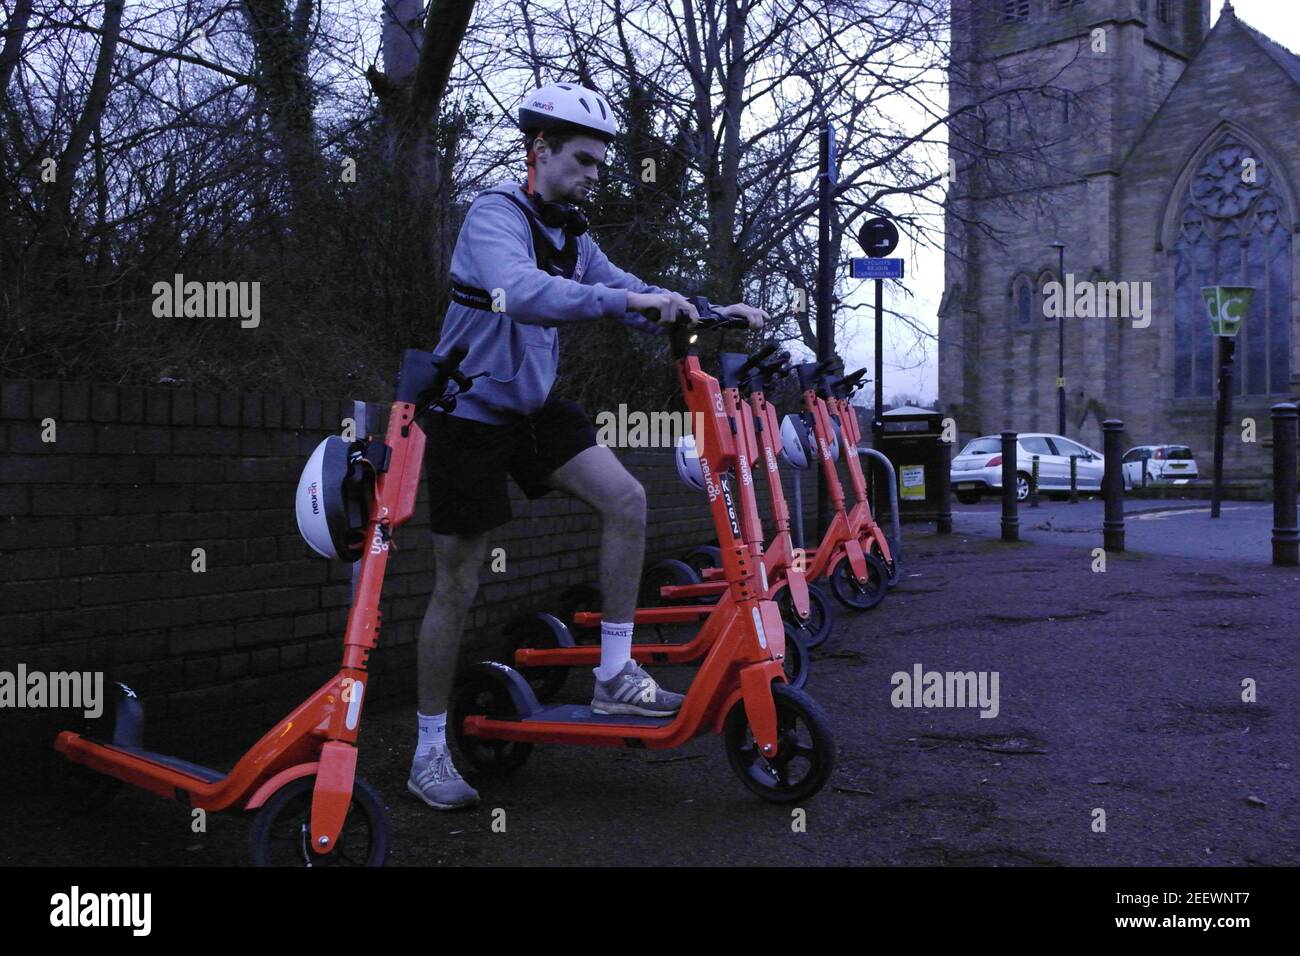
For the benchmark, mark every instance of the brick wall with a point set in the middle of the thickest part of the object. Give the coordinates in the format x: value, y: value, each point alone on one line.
x: 97, y: 530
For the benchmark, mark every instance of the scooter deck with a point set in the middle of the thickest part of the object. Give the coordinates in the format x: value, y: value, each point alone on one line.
x: 198, y: 771
x: 583, y: 714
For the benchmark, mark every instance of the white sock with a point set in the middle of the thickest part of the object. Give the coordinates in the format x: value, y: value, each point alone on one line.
x: 433, y: 733
x: 615, y: 649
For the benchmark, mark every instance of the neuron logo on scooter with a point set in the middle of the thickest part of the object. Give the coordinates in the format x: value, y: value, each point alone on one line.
x: 709, y: 486
x: 315, y: 498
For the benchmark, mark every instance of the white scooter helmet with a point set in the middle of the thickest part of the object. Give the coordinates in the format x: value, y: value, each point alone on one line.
x: 688, y: 463
x: 331, y: 502
x: 799, y: 441
x: 567, y: 106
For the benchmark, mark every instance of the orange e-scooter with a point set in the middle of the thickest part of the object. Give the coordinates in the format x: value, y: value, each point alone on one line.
x: 300, y: 779
x: 835, y: 391
x: 803, y: 605
x: 776, y: 738
x: 545, y: 646
x: 857, y: 577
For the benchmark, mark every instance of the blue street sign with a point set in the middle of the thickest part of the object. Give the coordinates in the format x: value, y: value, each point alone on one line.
x: 877, y: 268
x: 832, y: 163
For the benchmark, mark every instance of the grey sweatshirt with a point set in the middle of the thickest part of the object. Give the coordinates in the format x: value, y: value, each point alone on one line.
x: 519, y: 346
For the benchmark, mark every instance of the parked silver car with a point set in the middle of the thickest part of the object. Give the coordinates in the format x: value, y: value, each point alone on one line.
x: 1164, y: 464
x: 977, y: 469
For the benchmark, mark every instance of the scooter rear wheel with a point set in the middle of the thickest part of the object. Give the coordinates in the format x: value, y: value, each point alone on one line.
x: 532, y: 633
x: 80, y: 790
x: 705, y: 556
x: 860, y: 597
x: 480, y: 695
x: 281, y: 834
x: 805, y: 749
x: 663, y: 573
x: 816, y: 627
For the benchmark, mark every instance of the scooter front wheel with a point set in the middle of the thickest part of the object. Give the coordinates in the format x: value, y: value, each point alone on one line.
x: 816, y: 627
x: 797, y: 661
x: 281, y: 834
x: 860, y: 597
x: 805, y: 748
x: 892, y: 565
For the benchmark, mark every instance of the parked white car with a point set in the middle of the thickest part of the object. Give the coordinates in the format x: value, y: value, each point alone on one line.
x: 1164, y: 464
x: 977, y: 469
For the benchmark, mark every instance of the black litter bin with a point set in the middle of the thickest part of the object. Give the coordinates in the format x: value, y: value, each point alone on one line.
x: 910, y: 439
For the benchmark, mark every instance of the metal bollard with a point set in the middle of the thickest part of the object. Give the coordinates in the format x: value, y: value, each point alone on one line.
x: 1112, y: 484
x: 1074, y: 479
x: 1033, y: 484
x: 1010, y: 514
x: 1286, y: 537
x: 943, y: 489
x: 1143, y: 465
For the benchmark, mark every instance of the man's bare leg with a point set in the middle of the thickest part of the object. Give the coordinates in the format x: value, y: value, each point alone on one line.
x: 598, y: 478
x: 595, y: 476
x: 457, y: 561
x: 456, y: 565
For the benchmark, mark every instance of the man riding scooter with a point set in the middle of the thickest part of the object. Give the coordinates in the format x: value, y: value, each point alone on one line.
x: 523, y: 264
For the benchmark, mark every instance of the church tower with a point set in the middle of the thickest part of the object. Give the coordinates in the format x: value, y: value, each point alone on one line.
x: 1054, y: 95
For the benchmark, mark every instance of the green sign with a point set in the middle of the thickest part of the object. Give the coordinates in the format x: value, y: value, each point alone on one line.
x: 1227, y: 305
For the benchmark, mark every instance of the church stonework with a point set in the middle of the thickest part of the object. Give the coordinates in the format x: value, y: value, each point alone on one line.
x: 1168, y: 158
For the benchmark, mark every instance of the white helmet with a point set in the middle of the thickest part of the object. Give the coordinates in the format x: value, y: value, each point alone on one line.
x: 799, y: 441
x: 331, y: 503
x: 567, y: 106
x: 688, y: 463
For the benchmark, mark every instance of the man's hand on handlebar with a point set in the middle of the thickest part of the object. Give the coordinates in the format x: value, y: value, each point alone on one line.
x: 662, y: 307
x: 754, y: 316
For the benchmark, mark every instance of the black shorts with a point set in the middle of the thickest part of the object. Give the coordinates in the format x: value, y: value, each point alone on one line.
x: 466, y: 463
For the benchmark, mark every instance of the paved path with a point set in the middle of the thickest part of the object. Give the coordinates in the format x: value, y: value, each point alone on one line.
x: 1119, y: 692
x: 1242, y: 533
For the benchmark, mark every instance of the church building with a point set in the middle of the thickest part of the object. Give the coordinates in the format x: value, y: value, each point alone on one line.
x: 1151, y: 156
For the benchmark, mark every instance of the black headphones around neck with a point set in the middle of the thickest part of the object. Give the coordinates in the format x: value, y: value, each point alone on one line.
x: 563, y: 214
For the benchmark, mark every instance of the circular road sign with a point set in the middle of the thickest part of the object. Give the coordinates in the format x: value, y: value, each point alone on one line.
x: 879, y: 237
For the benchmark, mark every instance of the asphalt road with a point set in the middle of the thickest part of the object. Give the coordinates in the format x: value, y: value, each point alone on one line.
x: 1243, y: 532
x: 1120, y: 702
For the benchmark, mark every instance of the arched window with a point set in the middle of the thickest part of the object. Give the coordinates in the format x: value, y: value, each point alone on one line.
x: 1022, y: 303
x: 1232, y: 232
x: 1044, y: 278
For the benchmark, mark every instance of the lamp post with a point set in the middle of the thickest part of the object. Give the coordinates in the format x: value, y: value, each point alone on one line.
x: 1227, y: 306
x: 1060, y: 342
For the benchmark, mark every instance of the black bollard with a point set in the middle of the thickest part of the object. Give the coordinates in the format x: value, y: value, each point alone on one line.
x: 1286, y: 537
x: 1074, y: 479
x: 1112, y: 484
x: 1010, y: 514
x: 1033, y: 484
x: 943, y: 488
